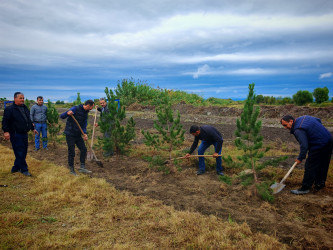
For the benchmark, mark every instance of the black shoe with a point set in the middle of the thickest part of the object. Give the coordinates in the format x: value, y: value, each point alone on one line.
x: 300, y: 191
x: 220, y: 173
x: 26, y: 173
x: 200, y: 172
x: 14, y: 171
x: 36, y: 149
x: 318, y: 187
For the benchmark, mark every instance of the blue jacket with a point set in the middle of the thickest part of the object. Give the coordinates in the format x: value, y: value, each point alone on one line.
x: 208, y: 134
x: 14, y: 121
x: 310, y: 134
x: 81, y: 116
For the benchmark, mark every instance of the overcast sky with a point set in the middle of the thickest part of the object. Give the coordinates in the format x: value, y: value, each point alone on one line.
x: 211, y: 48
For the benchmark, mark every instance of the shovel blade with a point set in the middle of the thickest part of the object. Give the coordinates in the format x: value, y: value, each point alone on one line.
x: 277, y: 187
x: 89, y: 156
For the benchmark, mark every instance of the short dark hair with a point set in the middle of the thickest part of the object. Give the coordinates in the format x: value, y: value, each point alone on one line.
x: 89, y: 102
x: 287, y: 118
x: 194, y: 128
x: 17, y: 93
x: 39, y: 97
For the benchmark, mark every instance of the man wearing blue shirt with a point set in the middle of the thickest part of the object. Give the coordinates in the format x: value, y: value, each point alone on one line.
x: 74, y: 136
x: 208, y: 136
x: 316, y: 141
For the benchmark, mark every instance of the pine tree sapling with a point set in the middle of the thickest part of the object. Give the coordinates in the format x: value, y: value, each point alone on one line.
x: 52, y: 119
x: 119, y: 136
x: 170, y: 131
x: 248, y: 133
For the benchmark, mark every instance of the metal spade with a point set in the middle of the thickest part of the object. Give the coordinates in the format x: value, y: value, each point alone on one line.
x: 277, y: 187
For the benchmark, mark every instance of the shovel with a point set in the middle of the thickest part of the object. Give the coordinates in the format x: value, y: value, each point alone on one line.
x: 99, y: 163
x: 90, y: 154
x: 191, y: 156
x: 277, y: 187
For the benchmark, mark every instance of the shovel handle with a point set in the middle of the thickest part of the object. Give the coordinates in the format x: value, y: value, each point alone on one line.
x: 286, y: 176
x: 191, y: 156
x: 77, y: 124
x: 93, y: 133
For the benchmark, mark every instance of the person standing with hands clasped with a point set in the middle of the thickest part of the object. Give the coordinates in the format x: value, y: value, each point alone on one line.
x: 208, y: 136
x: 16, y: 124
x: 38, y: 115
x: 316, y: 141
x: 74, y: 136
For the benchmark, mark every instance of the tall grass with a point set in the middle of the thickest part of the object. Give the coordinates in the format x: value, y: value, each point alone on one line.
x: 56, y: 210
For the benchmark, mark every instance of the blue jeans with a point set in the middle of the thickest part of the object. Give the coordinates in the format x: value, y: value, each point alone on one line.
x: 201, y: 150
x: 20, y: 148
x: 41, y: 127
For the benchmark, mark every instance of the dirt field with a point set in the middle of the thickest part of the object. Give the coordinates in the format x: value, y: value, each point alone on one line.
x: 298, y: 221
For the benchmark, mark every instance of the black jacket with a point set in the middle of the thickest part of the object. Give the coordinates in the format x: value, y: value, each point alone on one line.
x: 81, y: 116
x: 13, y: 120
x: 210, y: 135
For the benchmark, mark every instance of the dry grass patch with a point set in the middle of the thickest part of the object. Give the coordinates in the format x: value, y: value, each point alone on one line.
x: 56, y: 210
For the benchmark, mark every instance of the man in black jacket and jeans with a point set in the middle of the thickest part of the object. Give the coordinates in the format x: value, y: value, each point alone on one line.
x: 16, y: 124
x: 74, y: 136
x: 208, y: 136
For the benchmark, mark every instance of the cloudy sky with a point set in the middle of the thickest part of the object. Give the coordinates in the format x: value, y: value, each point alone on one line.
x: 211, y: 48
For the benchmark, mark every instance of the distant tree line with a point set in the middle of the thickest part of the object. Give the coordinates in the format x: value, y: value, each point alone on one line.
x: 302, y: 97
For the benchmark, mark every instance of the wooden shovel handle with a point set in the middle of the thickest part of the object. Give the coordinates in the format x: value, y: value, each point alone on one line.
x: 192, y: 156
x: 286, y: 176
x: 93, y: 133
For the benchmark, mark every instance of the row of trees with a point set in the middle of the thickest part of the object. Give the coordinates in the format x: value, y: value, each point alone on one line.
x: 302, y: 97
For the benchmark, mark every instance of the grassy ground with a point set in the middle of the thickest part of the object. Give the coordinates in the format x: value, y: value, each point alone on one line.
x: 56, y: 210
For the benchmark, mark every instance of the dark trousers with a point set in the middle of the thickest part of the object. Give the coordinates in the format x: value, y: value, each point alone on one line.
x: 316, y: 166
x: 20, y: 148
x: 71, y: 141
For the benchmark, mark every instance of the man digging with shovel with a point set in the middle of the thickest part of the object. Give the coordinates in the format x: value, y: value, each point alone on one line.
x: 73, y: 134
x: 208, y: 136
x: 315, y: 140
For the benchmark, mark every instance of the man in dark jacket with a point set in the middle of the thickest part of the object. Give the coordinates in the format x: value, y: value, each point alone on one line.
x: 315, y: 140
x: 16, y: 124
x: 74, y: 135
x: 104, y: 111
x: 208, y: 136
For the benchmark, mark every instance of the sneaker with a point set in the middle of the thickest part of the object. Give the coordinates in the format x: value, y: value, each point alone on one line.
x: 84, y: 171
x: 200, y: 172
x: 26, y: 173
x: 72, y: 171
x: 300, y: 191
x: 46, y: 148
x: 220, y: 173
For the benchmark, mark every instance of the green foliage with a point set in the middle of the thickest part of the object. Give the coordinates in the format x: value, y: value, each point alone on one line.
x: 302, y: 97
x: 78, y: 100
x: 53, y: 120
x: 260, y: 99
x: 249, y: 139
x: 131, y: 92
x: 27, y: 103
x: 284, y: 100
x: 3, y: 99
x: 248, y: 133
x: 218, y: 101
x: 265, y: 192
x: 170, y: 131
x: 246, y: 179
x: 157, y: 162
x: 226, y: 179
x: 110, y: 123
x: 321, y: 94
x: 60, y: 102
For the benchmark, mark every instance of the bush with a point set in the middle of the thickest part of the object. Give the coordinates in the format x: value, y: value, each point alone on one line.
x: 302, y: 97
x: 321, y: 94
x: 265, y: 192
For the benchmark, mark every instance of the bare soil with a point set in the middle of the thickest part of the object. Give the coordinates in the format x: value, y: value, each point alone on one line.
x: 298, y: 221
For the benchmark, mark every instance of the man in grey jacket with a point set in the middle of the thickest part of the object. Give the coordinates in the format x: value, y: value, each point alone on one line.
x: 38, y: 115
